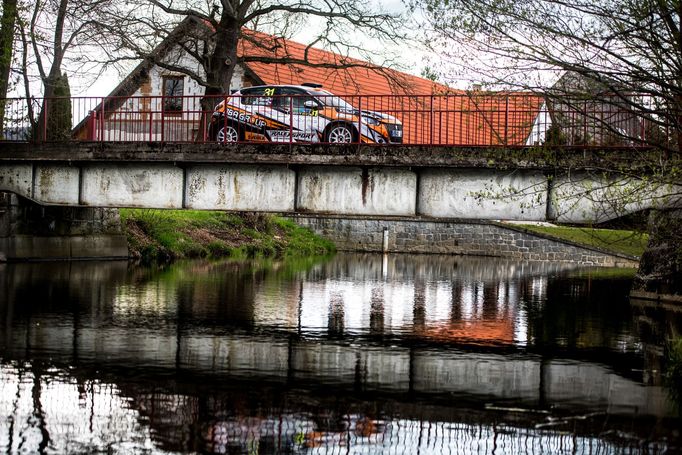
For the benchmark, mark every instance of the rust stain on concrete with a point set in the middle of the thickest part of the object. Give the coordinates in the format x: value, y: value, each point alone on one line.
x: 366, y: 184
x: 196, y: 185
x: 235, y: 186
x: 221, y: 188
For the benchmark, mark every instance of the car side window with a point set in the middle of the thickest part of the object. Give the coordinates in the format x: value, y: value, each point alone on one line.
x: 260, y: 96
x: 296, y: 99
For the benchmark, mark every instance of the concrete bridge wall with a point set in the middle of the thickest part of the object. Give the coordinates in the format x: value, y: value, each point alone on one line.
x: 464, y: 193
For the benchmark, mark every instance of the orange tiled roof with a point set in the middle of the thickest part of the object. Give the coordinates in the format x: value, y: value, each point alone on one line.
x: 360, y: 78
x: 433, y: 114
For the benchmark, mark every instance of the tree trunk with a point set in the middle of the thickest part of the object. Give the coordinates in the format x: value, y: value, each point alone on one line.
x: 660, y: 269
x: 9, y: 15
x: 219, y: 71
x: 51, y: 81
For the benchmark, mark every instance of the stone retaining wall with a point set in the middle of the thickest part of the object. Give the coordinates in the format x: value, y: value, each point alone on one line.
x: 411, y: 235
x: 29, y: 231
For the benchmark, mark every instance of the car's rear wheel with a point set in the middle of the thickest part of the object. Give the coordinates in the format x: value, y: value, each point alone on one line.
x: 228, y: 133
x: 340, y: 133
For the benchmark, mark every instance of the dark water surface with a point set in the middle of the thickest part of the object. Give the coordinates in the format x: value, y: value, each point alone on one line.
x: 358, y: 354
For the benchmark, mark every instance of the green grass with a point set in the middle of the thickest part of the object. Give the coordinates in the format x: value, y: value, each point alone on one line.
x: 174, y: 234
x: 632, y: 243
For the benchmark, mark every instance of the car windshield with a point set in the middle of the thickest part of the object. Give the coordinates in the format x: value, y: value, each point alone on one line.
x: 332, y: 100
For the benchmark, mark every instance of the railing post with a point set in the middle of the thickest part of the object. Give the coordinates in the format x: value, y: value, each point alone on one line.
x: 506, y: 120
x: 46, y: 107
x: 359, y: 122
x: 237, y: 127
x: 432, y: 121
x: 163, y: 118
x: 291, y: 120
x: 92, y: 126
x: 101, y: 120
x: 150, y: 113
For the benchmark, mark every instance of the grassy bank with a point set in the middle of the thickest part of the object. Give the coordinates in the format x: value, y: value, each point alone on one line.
x: 631, y: 243
x: 165, y: 235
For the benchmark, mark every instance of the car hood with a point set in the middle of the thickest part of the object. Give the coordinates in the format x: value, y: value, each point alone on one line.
x: 379, y: 116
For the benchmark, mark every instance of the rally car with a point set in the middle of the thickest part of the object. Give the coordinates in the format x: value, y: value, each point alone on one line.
x: 298, y: 113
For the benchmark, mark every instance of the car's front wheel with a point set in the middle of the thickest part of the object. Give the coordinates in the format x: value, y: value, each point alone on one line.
x: 340, y: 134
x: 228, y: 133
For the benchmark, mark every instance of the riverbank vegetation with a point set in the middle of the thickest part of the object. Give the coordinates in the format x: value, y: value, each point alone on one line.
x: 166, y: 235
x: 632, y: 243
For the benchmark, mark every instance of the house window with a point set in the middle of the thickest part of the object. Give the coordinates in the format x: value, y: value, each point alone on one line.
x: 173, y: 88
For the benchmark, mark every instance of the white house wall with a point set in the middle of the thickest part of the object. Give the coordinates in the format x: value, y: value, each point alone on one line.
x: 141, y: 118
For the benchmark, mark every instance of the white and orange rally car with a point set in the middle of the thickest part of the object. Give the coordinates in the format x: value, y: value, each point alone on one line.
x: 298, y: 113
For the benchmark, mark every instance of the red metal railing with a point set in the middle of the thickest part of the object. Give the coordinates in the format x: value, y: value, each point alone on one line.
x: 471, y: 119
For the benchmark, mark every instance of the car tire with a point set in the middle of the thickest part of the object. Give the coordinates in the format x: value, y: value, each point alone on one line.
x: 340, y: 133
x: 228, y: 134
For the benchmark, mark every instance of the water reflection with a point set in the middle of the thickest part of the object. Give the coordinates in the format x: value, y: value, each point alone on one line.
x: 405, y: 355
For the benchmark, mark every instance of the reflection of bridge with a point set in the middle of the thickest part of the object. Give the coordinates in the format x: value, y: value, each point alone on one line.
x: 180, y: 411
x: 183, y: 356
x: 371, y: 339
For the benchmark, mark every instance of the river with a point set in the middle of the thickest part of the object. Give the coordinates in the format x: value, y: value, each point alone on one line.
x: 356, y: 354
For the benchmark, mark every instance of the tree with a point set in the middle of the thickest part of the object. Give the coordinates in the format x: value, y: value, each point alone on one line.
x: 7, y: 26
x: 618, y: 47
x: 210, y: 36
x: 51, y: 33
x: 610, y: 63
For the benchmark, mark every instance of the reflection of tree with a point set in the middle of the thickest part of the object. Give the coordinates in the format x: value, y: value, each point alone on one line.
x: 336, y: 322
x: 419, y: 305
x: 573, y: 318
x: 376, y: 312
x: 659, y: 328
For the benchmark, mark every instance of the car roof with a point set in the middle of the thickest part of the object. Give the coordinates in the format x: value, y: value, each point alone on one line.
x: 301, y: 87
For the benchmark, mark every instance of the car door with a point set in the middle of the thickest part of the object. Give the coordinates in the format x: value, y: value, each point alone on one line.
x: 302, y: 110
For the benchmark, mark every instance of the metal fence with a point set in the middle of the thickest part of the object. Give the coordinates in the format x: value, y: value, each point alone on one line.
x: 471, y: 119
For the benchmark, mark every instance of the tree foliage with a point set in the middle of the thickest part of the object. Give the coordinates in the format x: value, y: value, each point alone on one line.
x: 610, y: 62
x: 614, y: 46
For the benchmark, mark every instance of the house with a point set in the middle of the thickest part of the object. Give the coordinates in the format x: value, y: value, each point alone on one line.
x: 584, y: 111
x: 156, y: 104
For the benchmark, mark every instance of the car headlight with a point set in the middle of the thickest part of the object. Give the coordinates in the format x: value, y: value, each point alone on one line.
x: 370, y: 121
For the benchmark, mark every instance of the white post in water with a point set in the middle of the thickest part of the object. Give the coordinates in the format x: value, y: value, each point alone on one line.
x: 385, y: 244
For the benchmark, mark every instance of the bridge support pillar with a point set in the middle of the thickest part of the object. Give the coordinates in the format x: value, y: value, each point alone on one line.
x: 29, y: 231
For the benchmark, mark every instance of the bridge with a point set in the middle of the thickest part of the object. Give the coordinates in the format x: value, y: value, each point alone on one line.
x: 129, y: 152
x: 523, y: 184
